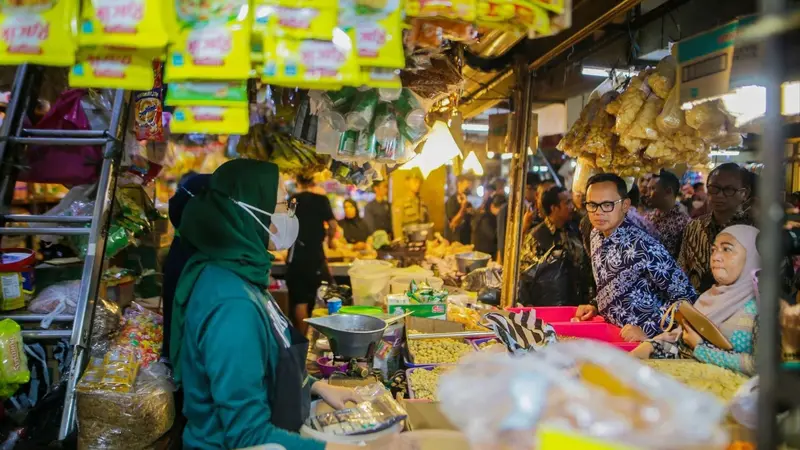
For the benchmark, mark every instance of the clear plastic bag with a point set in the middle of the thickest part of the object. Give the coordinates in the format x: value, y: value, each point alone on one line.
x: 644, y: 127
x: 672, y: 117
x: 107, y: 322
x: 582, y: 387
x: 663, y: 79
x: 708, y: 119
x: 111, y: 418
x: 484, y: 277
x: 58, y: 299
x: 631, y: 101
x: 588, y: 122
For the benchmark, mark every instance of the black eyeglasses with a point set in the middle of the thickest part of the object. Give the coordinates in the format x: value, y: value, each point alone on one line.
x: 604, y: 206
x: 727, y: 191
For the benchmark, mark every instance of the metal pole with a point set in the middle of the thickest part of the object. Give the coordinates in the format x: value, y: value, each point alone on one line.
x: 772, y: 148
x: 522, y: 125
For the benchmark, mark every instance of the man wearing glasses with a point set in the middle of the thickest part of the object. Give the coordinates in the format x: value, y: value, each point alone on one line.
x: 636, y: 277
x: 727, y: 192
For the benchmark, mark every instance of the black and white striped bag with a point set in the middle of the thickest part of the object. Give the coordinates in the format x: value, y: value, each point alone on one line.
x: 520, y: 332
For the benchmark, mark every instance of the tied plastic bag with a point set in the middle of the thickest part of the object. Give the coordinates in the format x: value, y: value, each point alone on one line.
x: 663, y: 79
x: 520, y: 332
x: 672, y: 118
x: 708, y: 119
x: 581, y: 387
x: 631, y: 101
x: 491, y: 277
x: 644, y: 127
x: 13, y: 362
x: 58, y: 299
x: 107, y: 322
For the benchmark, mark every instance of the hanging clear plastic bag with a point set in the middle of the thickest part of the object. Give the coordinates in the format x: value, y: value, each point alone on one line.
x: 663, y: 79
x: 631, y: 101
x: 58, y: 299
x: 583, y: 388
x: 708, y: 119
x: 672, y: 117
x: 644, y: 127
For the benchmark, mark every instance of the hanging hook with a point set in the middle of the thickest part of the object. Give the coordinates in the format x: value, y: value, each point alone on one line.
x: 571, y: 51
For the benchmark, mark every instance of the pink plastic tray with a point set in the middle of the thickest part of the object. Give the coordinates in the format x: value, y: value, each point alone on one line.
x: 597, y: 331
x: 555, y: 314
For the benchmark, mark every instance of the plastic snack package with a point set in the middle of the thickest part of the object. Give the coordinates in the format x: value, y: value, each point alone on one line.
x: 148, y: 115
x: 310, y: 64
x: 586, y: 390
x: 214, y: 42
x: 378, y: 412
x: 663, y: 79
x: 672, y: 118
x: 599, y: 138
x: 631, y: 101
x: 494, y: 13
x: 211, y: 120
x: 112, y: 419
x: 290, y: 20
x: 13, y: 362
x: 376, y: 29
x: 122, y: 23
x: 383, y: 78
x: 556, y: 6
x: 38, y: 32
x: 465, y: 10
x: 644, y: 126
x: 708, y: 119
x: 209, y: 93
x: 114, y: 68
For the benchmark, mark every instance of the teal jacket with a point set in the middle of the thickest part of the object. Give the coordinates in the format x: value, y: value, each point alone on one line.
x: 228, y: 359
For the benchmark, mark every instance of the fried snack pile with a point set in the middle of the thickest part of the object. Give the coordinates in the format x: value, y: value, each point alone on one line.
x: 643, y: 128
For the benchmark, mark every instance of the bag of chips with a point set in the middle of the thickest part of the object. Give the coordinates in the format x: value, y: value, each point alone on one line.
x: 13, y: 362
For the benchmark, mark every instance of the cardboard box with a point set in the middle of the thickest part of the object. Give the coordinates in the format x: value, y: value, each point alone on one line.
x: 399, y: 303
x: 704, y: 63
x: 426, y: 325
x: 425, y: 415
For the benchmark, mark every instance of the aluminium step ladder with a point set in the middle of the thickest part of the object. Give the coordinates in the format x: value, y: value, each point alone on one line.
x: 13, y: 139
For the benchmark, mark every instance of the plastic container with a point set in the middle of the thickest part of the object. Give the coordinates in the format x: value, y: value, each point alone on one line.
x: 399, y: 284
x: 373, y: 311
x: 354, y: 440
x: 555, y: 314
x: 16, y: 278
x: 370, y: 282
x: 604, y: 332
x: 476, y: 343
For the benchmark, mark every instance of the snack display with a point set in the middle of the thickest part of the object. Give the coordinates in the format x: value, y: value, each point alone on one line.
x: 38, y: 33
x: 437, y: 351
x: 132, y: 24
x: 265, y: 143
x: 466, y: 316
x: 141, y: 335
x: 703, y: 377
x: 102, y: 67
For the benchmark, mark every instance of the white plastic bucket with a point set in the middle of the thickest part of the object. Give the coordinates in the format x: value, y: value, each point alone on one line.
x: 399, y: 283
x: 370, y: 282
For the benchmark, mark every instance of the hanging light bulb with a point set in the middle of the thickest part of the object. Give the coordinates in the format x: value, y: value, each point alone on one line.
x: 439, y: 148
x: 471, y: 163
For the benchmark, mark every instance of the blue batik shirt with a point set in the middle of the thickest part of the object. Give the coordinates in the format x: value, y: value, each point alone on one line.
x: 636, y: 277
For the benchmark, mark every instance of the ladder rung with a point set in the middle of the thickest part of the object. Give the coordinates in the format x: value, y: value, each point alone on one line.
x: 57, y: 231
x: 59, y: 141
x: 37, y: 318
x: 29, y: 132
x: 28, y: 218
x: 46, y: 334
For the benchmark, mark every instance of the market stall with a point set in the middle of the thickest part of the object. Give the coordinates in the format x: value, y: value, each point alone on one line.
x: 352, y: 92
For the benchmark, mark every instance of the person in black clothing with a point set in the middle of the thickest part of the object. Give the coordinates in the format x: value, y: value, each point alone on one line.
x: 354, y: 227
x: 458, y: 212
x: 307, y: 267
x: 378, y: 213
x: 189, y: 185
x: 484, y: 236
x: 556, y: 270
x: 532, y: 182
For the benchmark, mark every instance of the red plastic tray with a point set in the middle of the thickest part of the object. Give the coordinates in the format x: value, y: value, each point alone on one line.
x: 604, y: 332
x: 555, y: 314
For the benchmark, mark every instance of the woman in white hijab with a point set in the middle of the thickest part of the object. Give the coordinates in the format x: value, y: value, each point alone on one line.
x: 730, y: 304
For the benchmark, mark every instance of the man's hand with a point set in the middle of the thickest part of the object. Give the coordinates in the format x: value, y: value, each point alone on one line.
x: 335, y: 396
x: 585, y: 312
x: 632, y: 333
x: 691, y: 338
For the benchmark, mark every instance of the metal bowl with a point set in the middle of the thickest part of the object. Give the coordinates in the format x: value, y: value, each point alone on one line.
x: 417, y: 232
x: 350, y: 335
x: 467, y: 262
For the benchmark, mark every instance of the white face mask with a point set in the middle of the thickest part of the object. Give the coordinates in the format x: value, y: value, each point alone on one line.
x: 286, y: 224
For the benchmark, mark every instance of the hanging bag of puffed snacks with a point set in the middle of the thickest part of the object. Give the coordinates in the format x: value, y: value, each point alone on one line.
x: 672, y: 117
x: 594, y: 125
x: 631, y: 101
x: 13, y: 362
x: 644, y: 126
x: 708, y: 119
x: 38, y: 32
x: 662, y: 80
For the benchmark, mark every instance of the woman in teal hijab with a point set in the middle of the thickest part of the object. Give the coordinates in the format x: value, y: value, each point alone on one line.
x: 239, y: 361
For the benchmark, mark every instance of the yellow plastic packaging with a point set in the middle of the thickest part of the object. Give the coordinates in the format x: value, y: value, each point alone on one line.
x: 124, y: 23
x: 375, y: 26
x: 520, y: 14
x: 376, y: 77
x: 309, y: 22
x: 465, y: 10
x: 13, y: 362
x: 556, y: 6
x: 211, y: 120
x: 214, y: 43
x: 495, y: 13
x: 41, y: 34
x: 309, y: 64
x: 98, y: 67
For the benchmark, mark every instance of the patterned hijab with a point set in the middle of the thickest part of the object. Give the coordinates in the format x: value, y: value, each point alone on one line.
x: 721, y: 302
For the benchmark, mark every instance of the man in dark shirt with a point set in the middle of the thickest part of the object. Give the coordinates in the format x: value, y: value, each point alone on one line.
x: 458, y: 212
x: 484, y: 236
x: 308, y: 267
x: 667, y: 216
x: 378, y: 213
x: 532, y: 182
x: 556, y: 270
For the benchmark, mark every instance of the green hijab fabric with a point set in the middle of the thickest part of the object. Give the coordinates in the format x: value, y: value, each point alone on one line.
x: 225, y: 235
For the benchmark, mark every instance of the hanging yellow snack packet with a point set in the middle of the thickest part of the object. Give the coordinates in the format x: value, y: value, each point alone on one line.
x: 375, y: 26
x: 214, y: 42
x: 376, y: 77
x: 311, y: 22
x: 125, y: 23
x: 38, y: 32
x: 114, y: 68
x: 465, y: 10
x: 13, y: 362
x: 310, y: 63
x: 211, y: 119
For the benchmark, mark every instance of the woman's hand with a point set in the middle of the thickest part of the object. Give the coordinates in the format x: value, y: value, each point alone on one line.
x: 335, y: 396
x: 691, y: 338
x: 643, y: 351
x: 585, y: 312
x: 632, y: 333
